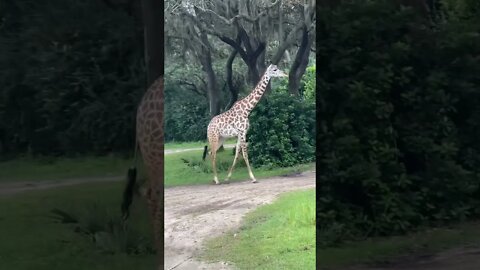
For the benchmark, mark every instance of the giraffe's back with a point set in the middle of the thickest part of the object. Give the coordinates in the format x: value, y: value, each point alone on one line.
x: 150, y: 133
x: 228, y: 124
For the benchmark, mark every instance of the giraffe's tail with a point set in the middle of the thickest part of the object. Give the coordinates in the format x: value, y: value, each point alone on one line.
x: 129, y: 188
x: 128, y: 192
x: 204, y: 152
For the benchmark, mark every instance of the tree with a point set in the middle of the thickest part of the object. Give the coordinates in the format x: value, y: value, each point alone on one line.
x: 252, y: 27
x: 196, y: 42
x: 153, y: 23
x: 253, y: 30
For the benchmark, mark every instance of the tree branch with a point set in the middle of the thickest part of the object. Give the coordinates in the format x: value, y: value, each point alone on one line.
x: 191, y: 86
x: 289, y: 40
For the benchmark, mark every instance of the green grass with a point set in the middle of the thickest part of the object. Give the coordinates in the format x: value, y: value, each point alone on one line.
x: 31, y: 239
x: 391, y: 249
x: 62, y: 168
x: 187, y: 168
x: 184, y: 145
x: 276, y: 236
x: 38, y: 169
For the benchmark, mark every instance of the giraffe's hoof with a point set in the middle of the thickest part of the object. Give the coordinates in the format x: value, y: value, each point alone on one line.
x: 254, y: 181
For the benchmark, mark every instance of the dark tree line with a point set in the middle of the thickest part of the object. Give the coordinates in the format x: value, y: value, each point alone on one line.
x: 398, y: 94
x: 72, y: 74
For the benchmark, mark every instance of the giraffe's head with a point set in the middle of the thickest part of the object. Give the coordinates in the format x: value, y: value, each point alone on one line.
x: 274, y: 71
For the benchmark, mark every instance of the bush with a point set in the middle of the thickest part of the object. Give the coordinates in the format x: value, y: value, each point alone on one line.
x: 186, y: 116
x: 308, y: 84
x: 282, y: 131
x: 395, y: 96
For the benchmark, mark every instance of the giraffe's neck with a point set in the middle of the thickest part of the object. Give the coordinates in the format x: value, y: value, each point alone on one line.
x: 254, y: 97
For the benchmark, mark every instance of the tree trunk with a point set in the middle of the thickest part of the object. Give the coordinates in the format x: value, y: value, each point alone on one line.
x: 213, y: 92
x: 212, y: 88
x: 231, y: 87
x: 300, y: 63
x: 253, y: 74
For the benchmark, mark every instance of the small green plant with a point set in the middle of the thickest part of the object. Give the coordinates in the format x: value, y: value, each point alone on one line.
x: 107, y: 232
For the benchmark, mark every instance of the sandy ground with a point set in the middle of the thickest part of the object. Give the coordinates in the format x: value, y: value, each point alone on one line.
x: 196, y: 213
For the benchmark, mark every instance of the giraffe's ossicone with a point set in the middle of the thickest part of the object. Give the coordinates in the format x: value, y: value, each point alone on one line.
x: 234, y: 123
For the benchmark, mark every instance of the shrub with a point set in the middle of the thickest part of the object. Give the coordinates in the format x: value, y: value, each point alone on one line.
x: 186, y: 120
x: 282, y: 131
x: 308, y: 83
x: 393, y: 113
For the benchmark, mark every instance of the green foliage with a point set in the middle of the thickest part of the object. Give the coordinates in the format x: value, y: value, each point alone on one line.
x: 398, y: 117
x: 308, y: 83
x: 282, y: 131
x: 186, y: 115
x: 69, y: 85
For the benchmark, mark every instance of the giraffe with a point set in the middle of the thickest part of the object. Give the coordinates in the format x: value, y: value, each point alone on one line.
x: 149, y: 140
x: 234, y: 123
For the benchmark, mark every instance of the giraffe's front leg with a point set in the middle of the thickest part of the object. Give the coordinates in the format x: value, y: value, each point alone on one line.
x: 237, y: 151
x: 245, y: 157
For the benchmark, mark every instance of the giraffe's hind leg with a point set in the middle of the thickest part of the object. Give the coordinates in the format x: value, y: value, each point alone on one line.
x: 155, y: 203
x: 214, y: 145
x: 237, y: 151
x: 243, y: 145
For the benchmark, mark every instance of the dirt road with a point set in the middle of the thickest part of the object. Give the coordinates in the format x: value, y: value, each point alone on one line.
x: 464, y: 258
x: 196, y: 213
x: 14, y: 187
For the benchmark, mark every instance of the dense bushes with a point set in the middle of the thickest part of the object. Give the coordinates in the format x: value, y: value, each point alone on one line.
x: 72, y: 74
x: 398, y: 121
x: 282, y: 131
x: 186, y: 115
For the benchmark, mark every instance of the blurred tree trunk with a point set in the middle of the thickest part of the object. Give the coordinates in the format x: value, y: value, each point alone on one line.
x: 153, y: 29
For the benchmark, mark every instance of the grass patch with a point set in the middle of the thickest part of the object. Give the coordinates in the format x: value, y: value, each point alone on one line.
x: 276, y: 236
x: 50, y: 168
x: 188, y: 168
x: 58, y: 168
x: 184, y: 145
x: 33, y: 239
x: 391, y: 249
